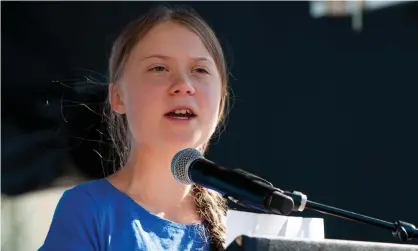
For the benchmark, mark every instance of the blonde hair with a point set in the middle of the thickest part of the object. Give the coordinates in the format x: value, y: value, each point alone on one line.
x: 211, y: 206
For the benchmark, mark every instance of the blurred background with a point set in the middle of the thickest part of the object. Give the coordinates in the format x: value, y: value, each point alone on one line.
x: 325, y: 102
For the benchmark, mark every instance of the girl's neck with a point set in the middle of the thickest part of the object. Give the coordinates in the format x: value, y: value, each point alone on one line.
x: 147, y: 179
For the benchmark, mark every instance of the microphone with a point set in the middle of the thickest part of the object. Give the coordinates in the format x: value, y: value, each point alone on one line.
x: 190, y: 167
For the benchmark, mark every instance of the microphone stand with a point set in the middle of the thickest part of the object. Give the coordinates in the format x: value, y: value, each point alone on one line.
x: 403, y: 231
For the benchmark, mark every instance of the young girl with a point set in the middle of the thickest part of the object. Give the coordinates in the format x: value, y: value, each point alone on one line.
x: 167, y: 92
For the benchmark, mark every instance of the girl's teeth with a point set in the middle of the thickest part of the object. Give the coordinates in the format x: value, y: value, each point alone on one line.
x: 183, y: 111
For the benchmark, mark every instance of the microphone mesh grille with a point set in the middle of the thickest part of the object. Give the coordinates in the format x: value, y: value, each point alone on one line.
x: 181, y: 162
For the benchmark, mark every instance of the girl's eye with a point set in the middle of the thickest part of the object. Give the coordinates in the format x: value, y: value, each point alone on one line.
x: 201, y: 70
x: 158, y: 69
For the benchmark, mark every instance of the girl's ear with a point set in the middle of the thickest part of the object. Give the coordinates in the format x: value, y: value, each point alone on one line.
x: 116, y: 99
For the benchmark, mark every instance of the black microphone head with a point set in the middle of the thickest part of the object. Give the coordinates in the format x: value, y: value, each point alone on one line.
x: 181, y: 163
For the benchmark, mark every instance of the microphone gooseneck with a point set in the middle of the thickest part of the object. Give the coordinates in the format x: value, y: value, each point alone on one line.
x: 403, y: 231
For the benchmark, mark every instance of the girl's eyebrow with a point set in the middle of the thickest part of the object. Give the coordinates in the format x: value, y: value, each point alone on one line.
x: 168, y: 58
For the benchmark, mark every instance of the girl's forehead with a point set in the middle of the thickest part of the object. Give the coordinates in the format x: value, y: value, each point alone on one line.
x: 171, y: 40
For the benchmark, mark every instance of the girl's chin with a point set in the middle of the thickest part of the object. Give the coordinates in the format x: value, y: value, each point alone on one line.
x: 180, y: 141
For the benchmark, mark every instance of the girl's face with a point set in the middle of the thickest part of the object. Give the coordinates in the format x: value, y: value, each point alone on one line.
x: 170, y: 90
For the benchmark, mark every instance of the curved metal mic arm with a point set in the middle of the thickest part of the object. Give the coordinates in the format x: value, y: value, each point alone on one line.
x: 403, y: 231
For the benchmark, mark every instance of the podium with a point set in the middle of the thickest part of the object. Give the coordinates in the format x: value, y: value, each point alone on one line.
x: 256, y: 243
